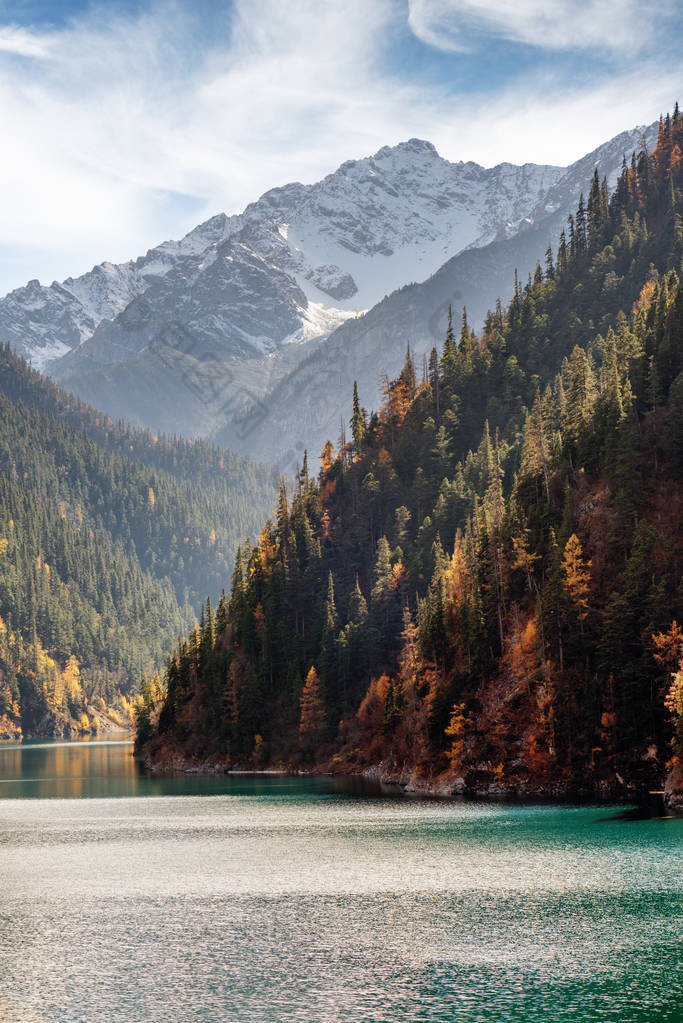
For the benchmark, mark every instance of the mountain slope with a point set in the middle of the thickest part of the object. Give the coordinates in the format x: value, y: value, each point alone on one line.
x: 480, y: 591
x: 109, y: 540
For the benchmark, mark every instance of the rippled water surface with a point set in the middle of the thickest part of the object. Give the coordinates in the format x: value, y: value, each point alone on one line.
x: 272, y: 899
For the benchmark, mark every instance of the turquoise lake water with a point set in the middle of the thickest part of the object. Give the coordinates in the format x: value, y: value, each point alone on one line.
x: 263, y: 898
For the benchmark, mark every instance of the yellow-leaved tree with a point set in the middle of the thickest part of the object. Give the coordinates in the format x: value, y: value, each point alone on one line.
x: 72, y: 680
x: 668, y: 652
x: 312, y: 720
x: 674, y: 699
x: 456, y: 732
x: 577, y: 577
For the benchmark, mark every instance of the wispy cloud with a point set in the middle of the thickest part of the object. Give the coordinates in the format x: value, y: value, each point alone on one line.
x: 539, y: 120
x: 123, y: 129
x: 457, y: 25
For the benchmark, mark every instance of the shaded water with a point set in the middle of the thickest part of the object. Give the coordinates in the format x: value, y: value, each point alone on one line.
x: 275, y: 899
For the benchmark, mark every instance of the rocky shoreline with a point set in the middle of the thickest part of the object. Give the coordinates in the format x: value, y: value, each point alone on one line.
x: 673, y: 790
x: 412, y: 781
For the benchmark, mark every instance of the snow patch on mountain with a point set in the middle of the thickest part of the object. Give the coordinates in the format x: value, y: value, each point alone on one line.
x: 318, y: 321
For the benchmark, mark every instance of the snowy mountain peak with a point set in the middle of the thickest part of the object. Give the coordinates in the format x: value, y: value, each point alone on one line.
x: 412, y: 146
x: 299, y: 260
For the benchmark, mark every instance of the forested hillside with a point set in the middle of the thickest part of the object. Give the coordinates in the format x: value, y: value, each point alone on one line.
x: 484, y: 581
x: 108, y: 536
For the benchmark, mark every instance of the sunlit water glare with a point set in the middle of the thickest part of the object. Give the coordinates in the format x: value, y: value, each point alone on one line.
x: 291, y: 900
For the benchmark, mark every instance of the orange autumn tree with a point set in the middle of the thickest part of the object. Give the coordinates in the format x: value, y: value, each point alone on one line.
x: 668, y: 647
x: 370, y: 714
x: 326, y: 459
x: 576, y: 573
x: 456, y: 731
x: 398, y: 396
x: 668, y: 653
x: 312, y: 720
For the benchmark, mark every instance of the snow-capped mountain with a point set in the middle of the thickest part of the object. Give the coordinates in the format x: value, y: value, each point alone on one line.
x: 308, y: 402
x: 311, y: 255
x: 378, y: 223
x: 43, y: 323
x: 239, y: 301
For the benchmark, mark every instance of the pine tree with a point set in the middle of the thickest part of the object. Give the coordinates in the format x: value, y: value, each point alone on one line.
x: 580, y: 394
x: 581, y: 237
x: 358, y: 607
x: 549, y: 265
x: 449, y: 354
x: 434, y: 381
x: 562, y: 256
x: 330, y: 624
x: 358, y: 423
x: 595, y: 213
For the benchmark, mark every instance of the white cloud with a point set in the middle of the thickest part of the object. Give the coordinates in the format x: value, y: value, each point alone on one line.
x: 129, y: 112
x: 539, y: 120
x: 552, y: 24
x: 19, y: 41
x: 132, y: 129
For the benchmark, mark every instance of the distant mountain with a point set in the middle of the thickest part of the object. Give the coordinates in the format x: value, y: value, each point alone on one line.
x: 192, y: 335
x: 42, y: 323
x: 246, y: 307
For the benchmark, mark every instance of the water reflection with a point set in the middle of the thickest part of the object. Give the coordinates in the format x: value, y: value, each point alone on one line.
x: 68, y: 770
x: 93, y: 769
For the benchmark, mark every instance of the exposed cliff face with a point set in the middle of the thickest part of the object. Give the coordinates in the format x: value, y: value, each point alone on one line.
x: 673, y: 790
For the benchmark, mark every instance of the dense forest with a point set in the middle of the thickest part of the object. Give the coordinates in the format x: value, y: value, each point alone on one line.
x: 483, y: 583
x: 108, y: 535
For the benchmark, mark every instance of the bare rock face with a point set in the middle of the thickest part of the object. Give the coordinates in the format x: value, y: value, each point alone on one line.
x: 332, y: 281
x: 673, y: 790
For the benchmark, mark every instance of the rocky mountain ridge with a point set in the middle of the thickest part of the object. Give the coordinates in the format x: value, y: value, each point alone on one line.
x: 194, y: 335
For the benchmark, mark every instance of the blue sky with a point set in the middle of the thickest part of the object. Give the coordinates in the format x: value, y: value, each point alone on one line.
x: 127, y: 122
